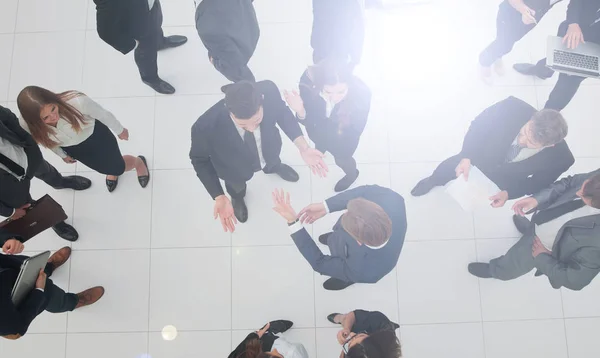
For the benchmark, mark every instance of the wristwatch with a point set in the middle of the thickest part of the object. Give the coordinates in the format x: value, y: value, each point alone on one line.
x: 295, y: 221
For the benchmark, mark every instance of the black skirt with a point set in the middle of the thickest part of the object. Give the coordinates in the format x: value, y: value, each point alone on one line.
x: 99, y: 152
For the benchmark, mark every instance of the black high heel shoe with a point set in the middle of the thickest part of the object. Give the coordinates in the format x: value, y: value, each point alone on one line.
x: 111, y: 185
x: 144, y: 179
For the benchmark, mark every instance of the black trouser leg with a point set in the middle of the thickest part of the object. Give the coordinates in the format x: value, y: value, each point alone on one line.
x: 146, y: 53
x: 446, y: 171
x: 59, y: 300
x: 347, y: 164
x: 509, y: 29
x: 563, y: 92
x: 236, y: 190
x: 49, y: 175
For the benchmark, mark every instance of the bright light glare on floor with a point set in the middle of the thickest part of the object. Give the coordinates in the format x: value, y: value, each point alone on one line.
x: 169, y: 333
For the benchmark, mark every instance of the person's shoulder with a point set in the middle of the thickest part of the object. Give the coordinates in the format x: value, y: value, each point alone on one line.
x: 517, y: 103
x: 209, y: 119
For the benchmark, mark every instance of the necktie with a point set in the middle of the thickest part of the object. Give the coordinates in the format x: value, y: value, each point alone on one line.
x: 12, y: 166
x: 513, y: 151
x: 250, y: 142
x: 550, y: 214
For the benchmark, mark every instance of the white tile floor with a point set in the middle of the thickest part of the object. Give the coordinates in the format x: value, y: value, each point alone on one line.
x: 162, y: 258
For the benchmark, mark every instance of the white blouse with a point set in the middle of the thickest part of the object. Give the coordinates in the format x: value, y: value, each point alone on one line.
x: 65, y: 135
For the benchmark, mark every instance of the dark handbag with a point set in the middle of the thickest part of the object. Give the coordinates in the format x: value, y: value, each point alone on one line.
x: 40, y: 216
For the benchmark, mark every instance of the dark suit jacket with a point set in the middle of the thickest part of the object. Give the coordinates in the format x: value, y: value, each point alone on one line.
x: 16, y: 320
x: 229, y: 31
x: 218, y: 151
x: 583, y: 12
x: 488, y: 141
x: 120, y: 22
x: 575, y: 257
x: 326, y: 132
x: 14, y: 192
x: 350, y: 261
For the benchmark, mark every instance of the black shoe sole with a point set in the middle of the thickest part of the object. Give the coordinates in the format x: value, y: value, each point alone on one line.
x: 331, y: 317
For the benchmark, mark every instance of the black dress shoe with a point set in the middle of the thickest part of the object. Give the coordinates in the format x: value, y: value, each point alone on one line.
x: 423, y: 187
x: 160, y: 86
x: 286, y: 172
x: 533, y: 70
x: 144, y: 179
x: 66, y: 231
x: 111, y: 185
x: 323, y: 238
x: 240, y: 210
x: 333, y: 284
x: 331, y: 318
x: 521, y: 223
x: 280, y: 326
x: 345, y: 182
x: 480, y: 269
x: 75, y: 182
x: 172, y: 41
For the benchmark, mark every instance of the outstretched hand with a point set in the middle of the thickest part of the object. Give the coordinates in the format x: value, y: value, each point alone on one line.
x: 312, y: 213
x: 314, y: 159
x: 283, y: 207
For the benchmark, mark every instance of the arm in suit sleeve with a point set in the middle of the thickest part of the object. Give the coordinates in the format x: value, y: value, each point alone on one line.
x: 574, y: 11
x: 5, y: 210
x: 324, y: 264
x: 285, y: 118
x: 369, y: 192
x: 199, y: 154
x: 358, y: 122
x: 575, y: 274
x: 242, y: 346
x: 548, y: 196
x: 5, y: 235
x: 540, y: 180
x: 10, y: 120
x: 16, y: 320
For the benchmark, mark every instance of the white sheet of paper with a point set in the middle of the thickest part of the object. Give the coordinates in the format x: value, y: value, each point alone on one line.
x: 474, y: 192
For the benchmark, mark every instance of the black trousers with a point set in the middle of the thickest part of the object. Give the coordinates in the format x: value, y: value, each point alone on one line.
x: 567, y: 85
x: 509, y: 29
x: 446, y: 172
x: 237, y: 190
x: 146, y: 53
x: 58, y: 300
x: 49, y: 175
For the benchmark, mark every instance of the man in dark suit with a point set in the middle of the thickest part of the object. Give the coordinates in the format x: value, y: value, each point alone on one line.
x: 237, y: 137
x: 137, y: 24
x: 229, y: 31
x: 569, y: 253
x: 582, y: 25
x: 514, y: 20
x: 518, y: 148
x: 366, y: 241
x: 21, y: 160
x: 15, y: 320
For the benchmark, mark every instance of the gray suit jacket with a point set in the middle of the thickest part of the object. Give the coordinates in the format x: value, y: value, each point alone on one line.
x: 575, y: 258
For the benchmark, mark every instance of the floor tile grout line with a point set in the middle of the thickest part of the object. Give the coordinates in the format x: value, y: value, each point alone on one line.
x: 12, y: 55
x: 313, y: 276
x: 479, y: 289
x: 562, y: 306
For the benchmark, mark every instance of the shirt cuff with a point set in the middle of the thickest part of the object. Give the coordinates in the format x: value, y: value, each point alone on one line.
x: 41, y: 289
x: 326, y: 206
x: 295, y: 227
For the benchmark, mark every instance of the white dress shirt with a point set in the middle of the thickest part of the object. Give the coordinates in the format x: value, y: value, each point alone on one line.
x: 288, y: 349
x: 328, y: 105
x: 151, y: 4
x: 258, y: 140
x: 15, y: 153
x: 525, y: 153
x: 547, y: 231
x: 65, y: 135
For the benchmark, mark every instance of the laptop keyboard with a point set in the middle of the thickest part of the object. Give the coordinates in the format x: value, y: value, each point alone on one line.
x: 576, y: 60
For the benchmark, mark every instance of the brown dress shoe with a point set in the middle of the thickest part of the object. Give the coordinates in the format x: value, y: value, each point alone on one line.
x: 89, y: 296
x: 59, y: 257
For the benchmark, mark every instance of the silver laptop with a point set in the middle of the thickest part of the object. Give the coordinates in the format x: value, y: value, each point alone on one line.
x: 582, y: 61
x: 30, y: 270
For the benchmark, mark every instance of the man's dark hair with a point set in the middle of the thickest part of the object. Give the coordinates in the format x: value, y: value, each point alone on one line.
x: 242, y: 99
x: 591, y: 190
x: 381, y: 344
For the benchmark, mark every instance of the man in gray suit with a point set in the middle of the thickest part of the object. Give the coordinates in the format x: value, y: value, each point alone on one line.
x: 567, y: 220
